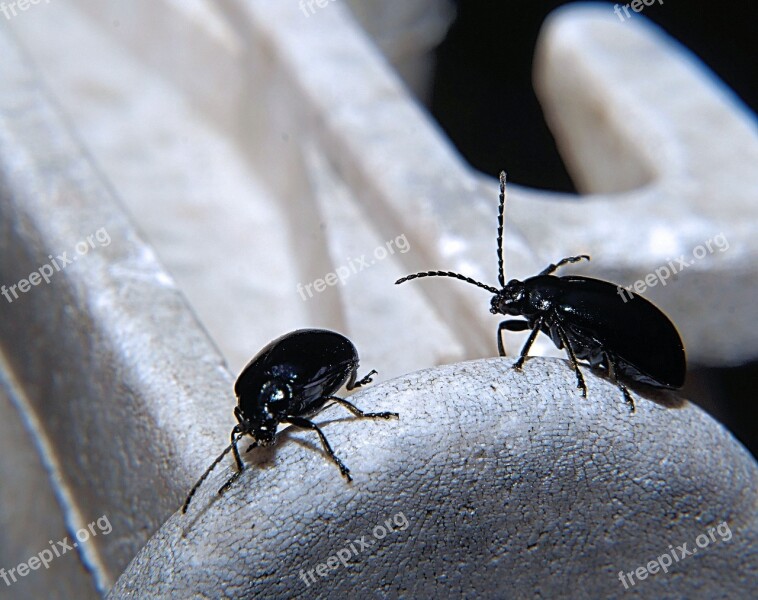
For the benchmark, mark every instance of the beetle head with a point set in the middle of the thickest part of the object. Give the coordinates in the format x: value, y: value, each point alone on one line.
x: 263, y: 417
x: 511, y: 300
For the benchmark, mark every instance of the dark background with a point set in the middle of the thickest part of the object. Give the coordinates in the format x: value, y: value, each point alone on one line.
x: 484, y: 100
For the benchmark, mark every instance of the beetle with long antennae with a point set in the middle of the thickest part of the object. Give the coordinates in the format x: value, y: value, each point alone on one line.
x: 593, y: 320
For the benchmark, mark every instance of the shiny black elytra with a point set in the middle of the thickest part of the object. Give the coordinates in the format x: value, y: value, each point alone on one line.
x: 292, y: 379
x: 587, y: 317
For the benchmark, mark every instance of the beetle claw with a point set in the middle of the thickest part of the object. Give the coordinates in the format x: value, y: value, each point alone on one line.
x: 382, y: 415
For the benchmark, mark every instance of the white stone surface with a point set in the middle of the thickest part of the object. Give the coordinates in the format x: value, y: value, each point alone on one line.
x: 502, y: 483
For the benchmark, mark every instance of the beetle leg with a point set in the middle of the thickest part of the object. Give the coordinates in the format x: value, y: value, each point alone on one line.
x: 572, y: 360
x: 306, y: 424
x: 359, y: 413
x: 237, y: 458
x: 569, y: 259
x: 611, y: 362
x: 352, y: 383
x: 529, y: 341
x: 512, y: 325
x: 500, y: 347
x: 240, y: 465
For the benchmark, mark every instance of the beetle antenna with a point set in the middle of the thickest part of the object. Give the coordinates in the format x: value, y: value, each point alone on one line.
x: 204, y: 476
x: 500, y: 219
x: 489, y: 288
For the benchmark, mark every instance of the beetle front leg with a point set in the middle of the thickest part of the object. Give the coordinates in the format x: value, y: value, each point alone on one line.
x: 240, y: 465
x: 306, y: 424
x: 513, y: 325
x: 572, y: 360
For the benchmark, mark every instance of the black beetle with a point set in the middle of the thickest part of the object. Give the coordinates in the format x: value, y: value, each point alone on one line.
x: 292, y: 379
x: 589, y: 318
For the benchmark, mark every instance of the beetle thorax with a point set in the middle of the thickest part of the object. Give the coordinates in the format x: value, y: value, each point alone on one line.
x: 511, y: 300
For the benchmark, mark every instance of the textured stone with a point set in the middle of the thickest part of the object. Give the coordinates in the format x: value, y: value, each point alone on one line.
x: 512, y: 485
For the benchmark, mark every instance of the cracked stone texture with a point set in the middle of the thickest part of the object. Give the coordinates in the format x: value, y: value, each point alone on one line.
x: 511, y: 484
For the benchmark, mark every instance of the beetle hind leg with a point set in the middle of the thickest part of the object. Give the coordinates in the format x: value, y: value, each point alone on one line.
x: 306, y: 424
x: 627, y: 396
x: 572, y: 360
x: 612, y: 368
x: 359, y: 413
x: 352, y: 383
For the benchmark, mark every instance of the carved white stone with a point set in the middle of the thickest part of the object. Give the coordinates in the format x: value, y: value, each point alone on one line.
x: 254, y: 149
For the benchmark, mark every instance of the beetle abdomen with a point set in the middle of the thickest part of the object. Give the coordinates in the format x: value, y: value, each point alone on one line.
x: 598, y: 318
